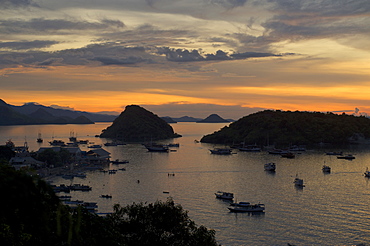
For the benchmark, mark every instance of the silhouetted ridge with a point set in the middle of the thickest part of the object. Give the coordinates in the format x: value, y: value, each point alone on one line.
x: 213, y: 118
x: 287, y: 128
x: 138, y: 124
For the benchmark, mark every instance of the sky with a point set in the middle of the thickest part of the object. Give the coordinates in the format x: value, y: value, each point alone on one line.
x: 187, y: 57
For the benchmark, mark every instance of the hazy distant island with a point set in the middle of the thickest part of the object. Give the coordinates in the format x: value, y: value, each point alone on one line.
x: 138, y: 124
x: 213, y: 118
x: 35, y: 114
x: 284, y: 128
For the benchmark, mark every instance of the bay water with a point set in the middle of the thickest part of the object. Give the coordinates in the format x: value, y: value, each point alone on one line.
x: 332, y: 209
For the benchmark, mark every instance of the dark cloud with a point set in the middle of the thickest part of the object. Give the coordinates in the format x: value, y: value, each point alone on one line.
x: 44, y: 26
x: 5, y: 4
x: 229, y: 4
x: 25, y: 45
x: 119, y: 61
x: 183, y: 55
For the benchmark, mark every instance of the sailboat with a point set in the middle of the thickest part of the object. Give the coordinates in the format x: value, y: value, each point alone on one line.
x: 39, y: 138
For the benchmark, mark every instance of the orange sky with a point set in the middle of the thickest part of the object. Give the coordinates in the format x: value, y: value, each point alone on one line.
x: 174, y: 58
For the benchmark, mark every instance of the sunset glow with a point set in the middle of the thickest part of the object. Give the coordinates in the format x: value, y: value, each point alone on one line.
x: 227, y: 57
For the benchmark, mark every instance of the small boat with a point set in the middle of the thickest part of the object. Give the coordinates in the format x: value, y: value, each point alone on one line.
x: 57, y: 143
x: 297, y: 148
x: 79, y: 187
x: 90, y: 205
x: 117, y: 161
x: 157, y: 148
x: 122, y: 169
x: 246, y: 207
x: 367, y: 173
x: 224, y: 195
x: 288, y: 155
x: 112, y: 171
x: 106, y: 196
x: 173, y: 145
x: 346, y: 157
x: 39, y: 139
x: 334, y: 153
x: 221, y: 151
x: 326, y: 169
x: 111, y: 144
x: 298, y: 182
x: 271, y: 166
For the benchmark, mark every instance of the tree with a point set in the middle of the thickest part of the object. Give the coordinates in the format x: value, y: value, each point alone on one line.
x: 161, y: 223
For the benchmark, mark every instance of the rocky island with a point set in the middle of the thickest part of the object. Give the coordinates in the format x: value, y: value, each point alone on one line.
x: 213, y: 118
x: 136, y: 124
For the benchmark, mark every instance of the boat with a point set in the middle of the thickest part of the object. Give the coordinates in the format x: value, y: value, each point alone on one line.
x: 173, y: 145
x: 221, y: 151
x: 90, y: 205
x: 39, y: 139
x: 117, y: 161
x: 288, y: 155
x: 326, y: 169
x: 367, y: 173
x: 57, y: 143
x: 296, y: 148
x: 224, y: 195
x: 298, y: 182
x: 277, y: 151
x: 79, y: 187
x: 157, y: 148
x: 346, y: 157
x: 271, y: 166
x: 334, y: 153
x: 246, y: 207
x: 106, y: 196
x: 112, y: 171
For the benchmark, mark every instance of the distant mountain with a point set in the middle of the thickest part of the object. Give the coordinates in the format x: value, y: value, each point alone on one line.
x: 30, y: 108
x: 186, y: 119
x: 138, y: 124
x: 168, y: 119
x: 213, y: 118
x: 9, y: 115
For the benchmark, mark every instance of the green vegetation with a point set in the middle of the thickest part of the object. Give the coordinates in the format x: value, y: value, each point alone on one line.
x: 284, y: 128
x: 33, y: 215
x: 138, y: 124
x: 57, y: 159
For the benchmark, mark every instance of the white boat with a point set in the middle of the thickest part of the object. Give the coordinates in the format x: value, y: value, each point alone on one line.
x: 246, y: 207
x: 271, y: 166
x: 221, y: 151
x: 224, y: 195
x: 367, y: 173
x: 326, y: 169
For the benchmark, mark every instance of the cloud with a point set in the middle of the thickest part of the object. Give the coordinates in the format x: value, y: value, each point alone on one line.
x: 229, y: 4
x: 5, y: 4
x: 26, y: 45
x: 54, y: 26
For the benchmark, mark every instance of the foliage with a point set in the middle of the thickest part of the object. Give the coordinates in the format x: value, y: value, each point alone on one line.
x: 52, y: 157
x: 34, y: 215
x: 6, y: 153
x: 286, y: 127
x: 161, y: 223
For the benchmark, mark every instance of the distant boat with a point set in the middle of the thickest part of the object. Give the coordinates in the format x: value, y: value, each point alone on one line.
x: 250, y: 148
x: 106, y: 196
x: 298, y: 182
x: 346, y: 157
x: 224, y: 195
x: 326, y: 169
x: 39, y: 138
x: 57, y: 143
x: 334, y: 153
x: 246, y: 207
x: 157, y: 148
x: 117, y: 161
x: 221, y: 151
x: 271, y: 166
x: 367, y: 173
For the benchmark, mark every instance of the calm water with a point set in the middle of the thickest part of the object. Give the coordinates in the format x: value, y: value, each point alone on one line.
x: 332, y: 209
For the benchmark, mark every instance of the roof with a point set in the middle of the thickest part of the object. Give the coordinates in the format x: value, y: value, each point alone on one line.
x: 99, y: 152
x: 27, y: 160
x: 71, y: 150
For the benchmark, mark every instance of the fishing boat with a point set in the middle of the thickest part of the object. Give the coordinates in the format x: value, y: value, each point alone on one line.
x: 367, y: 173
x: 246, y: 207
x: 298, y: 182
x: 39, y: 138
x: 271, y: 166
x: 221, y: 151
x: 117, y: 161
x: 326, y: 169
x: 346, y: 157
x: 224, y: 195
x: 157, y: 148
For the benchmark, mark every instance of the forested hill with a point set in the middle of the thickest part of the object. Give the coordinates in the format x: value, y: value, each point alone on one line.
x: 284, y: 128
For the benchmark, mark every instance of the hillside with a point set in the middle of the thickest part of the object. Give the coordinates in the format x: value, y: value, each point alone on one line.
x: 284, y: 128
x: 213, y: 118
x: 137, y: 124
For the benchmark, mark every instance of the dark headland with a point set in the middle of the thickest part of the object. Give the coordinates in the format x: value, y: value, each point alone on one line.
x: 284, y: 128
